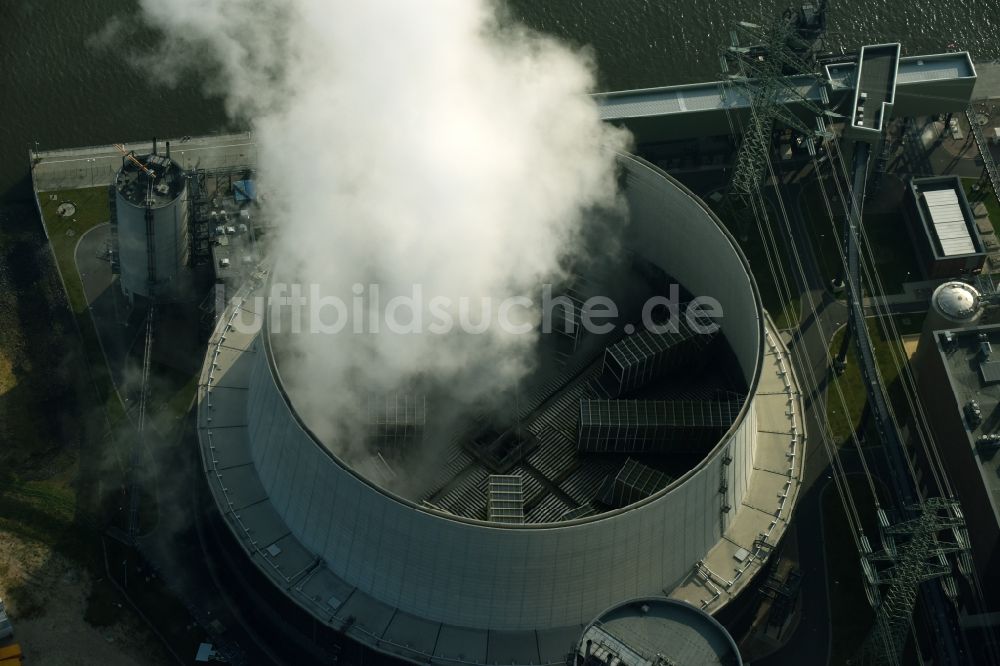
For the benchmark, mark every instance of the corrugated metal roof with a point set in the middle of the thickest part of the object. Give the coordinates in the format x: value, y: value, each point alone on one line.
x: 949, y: 222
x: 934, y: 68
x: 686, y: 98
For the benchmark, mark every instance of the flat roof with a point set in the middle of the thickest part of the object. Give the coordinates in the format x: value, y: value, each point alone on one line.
x: 709, y: 96
x: 949, y: 223
x: 876, y: 90
x: 964, y: 365
x: 911, y: 70
x: 690, y: 98
x: 946, y: 216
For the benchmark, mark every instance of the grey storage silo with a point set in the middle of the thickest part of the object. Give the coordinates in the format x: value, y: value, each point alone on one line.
x: 150, y: 227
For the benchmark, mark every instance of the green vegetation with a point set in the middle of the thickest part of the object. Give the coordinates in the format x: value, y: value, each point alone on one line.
x: 851, y: 615
x: 64, y: 234
x: 988, y: 197
x: 42, y: 512
x: 52, y: 426
x: 895, y: 259
x: 851, y: 384
x: 33, y: 380
x: 60, y: 466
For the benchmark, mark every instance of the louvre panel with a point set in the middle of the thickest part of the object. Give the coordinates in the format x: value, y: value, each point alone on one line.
x: 506, y: 499
x: 638, y: 359
x: 629, y: 426
x: 395, y: 420
x: 633, y: 482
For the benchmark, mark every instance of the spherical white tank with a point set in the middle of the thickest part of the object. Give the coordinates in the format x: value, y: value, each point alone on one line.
x: 953, y: 305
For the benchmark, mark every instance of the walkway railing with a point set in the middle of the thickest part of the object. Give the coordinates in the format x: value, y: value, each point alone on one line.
x: 984, y: 150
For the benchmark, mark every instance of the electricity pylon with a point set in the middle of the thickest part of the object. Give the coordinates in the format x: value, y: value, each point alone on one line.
x: 758, y: 65
x: 914, y: 551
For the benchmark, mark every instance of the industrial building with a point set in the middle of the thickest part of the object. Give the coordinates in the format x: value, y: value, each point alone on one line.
x: 175, y: 224
x: 149, y: 227
x: 656, y: 464
x: 958, y: 378
x: 942, y: 227
x: 524, y: 536
x: 875, y: 92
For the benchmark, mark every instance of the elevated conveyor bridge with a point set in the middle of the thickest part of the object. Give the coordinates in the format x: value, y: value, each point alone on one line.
x: 925, y: 84
x: 895, y: 573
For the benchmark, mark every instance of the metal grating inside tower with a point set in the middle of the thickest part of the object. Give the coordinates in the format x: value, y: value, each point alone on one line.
x: 638, y: 359
x: 633, y: 482
x: 395, y: 420
x: 506, y: 499
x: 634, y: 426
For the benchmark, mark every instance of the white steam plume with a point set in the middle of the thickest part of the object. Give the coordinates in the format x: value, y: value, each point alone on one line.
x: 433, y: 143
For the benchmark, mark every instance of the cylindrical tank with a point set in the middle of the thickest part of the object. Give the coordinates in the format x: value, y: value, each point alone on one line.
x: 151, y: 214
x: 954, y: 305
x: 673, y: 631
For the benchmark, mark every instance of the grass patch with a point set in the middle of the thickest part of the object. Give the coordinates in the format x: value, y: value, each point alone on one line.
x: 988, y: 197
x: 7, y: 378
x: 843, y: 423
x: 851, y: 615
x: 36, y: 368
x: 43, y: 512
x: 64, y: 234
x: 59, y: 481
x: 52, y: 426
x: 895, y: 259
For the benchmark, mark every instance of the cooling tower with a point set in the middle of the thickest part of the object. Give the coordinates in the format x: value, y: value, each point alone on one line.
x: 526, y: 535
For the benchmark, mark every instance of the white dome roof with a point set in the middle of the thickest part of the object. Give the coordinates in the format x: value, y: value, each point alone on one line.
x: 957, y: 300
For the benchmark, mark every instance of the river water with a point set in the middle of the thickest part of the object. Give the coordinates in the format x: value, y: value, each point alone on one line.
x: 60, y: 86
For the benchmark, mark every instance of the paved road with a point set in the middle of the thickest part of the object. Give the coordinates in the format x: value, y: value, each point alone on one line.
x: 89, y: 167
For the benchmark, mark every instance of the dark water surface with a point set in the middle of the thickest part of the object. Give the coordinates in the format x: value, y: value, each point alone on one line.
x: 60, y: 87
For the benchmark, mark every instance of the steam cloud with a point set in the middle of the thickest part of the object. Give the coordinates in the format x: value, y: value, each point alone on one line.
x: 404, y: 142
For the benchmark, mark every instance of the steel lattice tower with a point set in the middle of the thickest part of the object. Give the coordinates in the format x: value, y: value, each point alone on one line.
x: 764, y: 58
x: 936, y: 531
